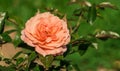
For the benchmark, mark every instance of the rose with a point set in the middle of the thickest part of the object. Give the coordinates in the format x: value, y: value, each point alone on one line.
x: 47, y: 33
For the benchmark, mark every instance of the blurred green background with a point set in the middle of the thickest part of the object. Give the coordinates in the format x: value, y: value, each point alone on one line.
x: 108, y: 52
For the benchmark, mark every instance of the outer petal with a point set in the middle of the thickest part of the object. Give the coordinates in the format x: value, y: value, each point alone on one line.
x: 40, y: 51
x: 56, y: 51
x: 25, y: 39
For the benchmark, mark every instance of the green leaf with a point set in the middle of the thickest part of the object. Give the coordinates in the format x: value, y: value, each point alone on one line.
x: 10, y: 31
x: 59, y: 57
x: 17, y: 40
x: 47, y: 60
x: 19, y: 60
x: 7, y: 60
x: 75, y: 67
x: 56, y: 63
x: 92, y: 14
x: 3, y: 16
x: 72, y: 68
x: 8, y: 68
x: 83, y: 47
x: 77, y: 12
x: 82, y: 50
x: 16, y: 55
x: 69, y: 50
x: 36, y: 68
x: 26, y: 49
x: 32, y: 56
x: 6, y: 37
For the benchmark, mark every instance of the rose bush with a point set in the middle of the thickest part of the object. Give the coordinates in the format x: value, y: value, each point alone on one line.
x: 47, y: 33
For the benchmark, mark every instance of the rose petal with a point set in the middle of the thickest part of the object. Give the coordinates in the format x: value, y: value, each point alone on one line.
x: 56, y: 51
x: 25, y: 39
x: 40, y: 51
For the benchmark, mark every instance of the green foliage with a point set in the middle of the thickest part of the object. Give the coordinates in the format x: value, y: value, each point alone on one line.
x: 9, y: 68
x: 47, y: 61
x: 92, y: 14
x: 6, y: 37
x: 17, y: 40
x: 3, y: 16
x: 32, y: 56
x: 19, y: 60
x: 36, y: 68
x: 16, y: 55
x: 102, y: 34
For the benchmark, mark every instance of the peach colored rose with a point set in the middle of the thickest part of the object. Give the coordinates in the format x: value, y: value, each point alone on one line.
x: 47, y: 33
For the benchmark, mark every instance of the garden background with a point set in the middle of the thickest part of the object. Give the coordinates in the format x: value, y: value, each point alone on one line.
x: 107, y: 56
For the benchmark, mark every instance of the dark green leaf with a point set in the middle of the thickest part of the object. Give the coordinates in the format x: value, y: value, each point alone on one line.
x: 27, y: 50
x: 8, y: 68
x: 59, y: 57
x: 10, y: 31
x: 83, y: 47
x: 71, y: 68
x: 32, y: 56
x: 36, y: 68
x: 82, y: 52
x: 16, y: 55
x: 69, y: 50
x: 19, y: 60
x: 76, y: 67
x: 6, y: 37
x: 3, y: 16
x: 26, y: 69
x: 17, y: 40
x: 77, y: 12
x: 47, y: 60
x: 92, y: 14
x: 8, y: 61
x: 56, y: 63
